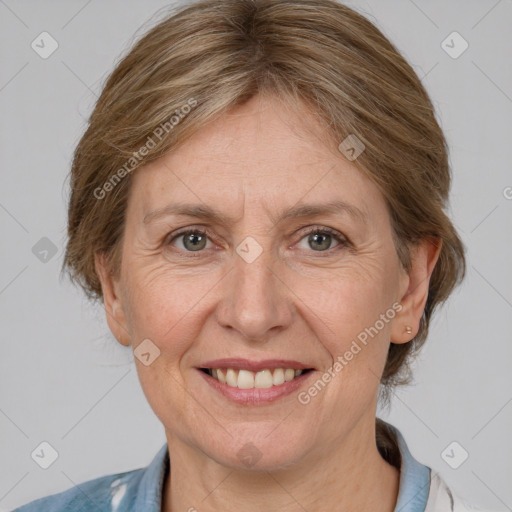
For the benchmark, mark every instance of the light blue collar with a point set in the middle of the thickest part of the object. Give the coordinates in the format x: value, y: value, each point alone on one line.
x: 149, y: 495
x: 414, y: 480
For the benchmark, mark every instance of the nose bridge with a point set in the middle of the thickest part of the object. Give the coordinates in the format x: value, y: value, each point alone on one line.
x: 255, y: 299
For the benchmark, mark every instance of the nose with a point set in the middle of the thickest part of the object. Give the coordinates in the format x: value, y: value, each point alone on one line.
x: 256, y: 302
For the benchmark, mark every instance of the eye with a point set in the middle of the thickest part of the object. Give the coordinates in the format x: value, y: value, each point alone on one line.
x: 196, y: 239
x: 192, y: 240
x: 320, y: 239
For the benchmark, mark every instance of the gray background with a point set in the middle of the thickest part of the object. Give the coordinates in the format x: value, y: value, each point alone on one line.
x: 64, y: 379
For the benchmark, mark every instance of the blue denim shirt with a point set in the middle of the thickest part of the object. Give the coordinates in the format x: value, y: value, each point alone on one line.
x: 141, y: 490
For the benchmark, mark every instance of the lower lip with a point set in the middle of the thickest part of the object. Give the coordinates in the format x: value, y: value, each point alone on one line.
x: 256, y: 396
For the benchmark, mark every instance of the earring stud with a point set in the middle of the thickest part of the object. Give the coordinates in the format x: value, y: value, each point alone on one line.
x: 408, y: 329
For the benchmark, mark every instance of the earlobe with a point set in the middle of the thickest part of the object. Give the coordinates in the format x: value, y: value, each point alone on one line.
x: 114, y: 311
x: 424, y: 257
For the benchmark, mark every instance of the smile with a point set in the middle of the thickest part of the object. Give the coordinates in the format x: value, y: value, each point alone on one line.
x: 252, y: 382
x: 246, y: 379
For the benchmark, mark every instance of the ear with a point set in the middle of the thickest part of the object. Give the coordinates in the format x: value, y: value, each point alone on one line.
x: 414, y: 289
x: 112, y: 300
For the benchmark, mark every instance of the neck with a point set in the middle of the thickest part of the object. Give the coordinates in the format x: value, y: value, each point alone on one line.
x: 348, y: 475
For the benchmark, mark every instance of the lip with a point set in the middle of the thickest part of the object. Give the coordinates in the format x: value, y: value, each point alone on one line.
x: 255, y: 366
x: 255, y: 396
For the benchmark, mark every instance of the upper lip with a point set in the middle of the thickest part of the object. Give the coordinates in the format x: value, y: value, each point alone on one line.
x: 255, y: 366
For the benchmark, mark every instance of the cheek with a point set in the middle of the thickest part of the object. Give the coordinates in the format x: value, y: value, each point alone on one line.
x: 349, y: 301
x: 162, y: 302
x: 164, y: 308
x: 347, y: 321
x: 351, y: 314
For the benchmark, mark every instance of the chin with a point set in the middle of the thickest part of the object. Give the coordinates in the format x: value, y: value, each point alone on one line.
x: 255, y: 451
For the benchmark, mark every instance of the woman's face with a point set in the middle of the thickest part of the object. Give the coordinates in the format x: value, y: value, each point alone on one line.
x: 258, y: 294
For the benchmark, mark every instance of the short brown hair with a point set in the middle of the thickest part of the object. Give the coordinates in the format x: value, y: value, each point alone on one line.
x: 318, y: 54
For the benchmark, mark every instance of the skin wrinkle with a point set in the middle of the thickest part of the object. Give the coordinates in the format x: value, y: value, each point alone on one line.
x: 207, y: 212
x: 288, y: 303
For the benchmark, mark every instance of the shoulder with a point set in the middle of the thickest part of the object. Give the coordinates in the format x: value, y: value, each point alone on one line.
x: 99, y: 494
x: 140, y: 489
x: 443, y: 499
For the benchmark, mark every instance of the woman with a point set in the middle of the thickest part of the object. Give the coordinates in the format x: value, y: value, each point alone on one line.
x: 259, y: 202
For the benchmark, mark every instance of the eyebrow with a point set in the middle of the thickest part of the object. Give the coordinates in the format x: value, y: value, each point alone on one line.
x: 299, y: 211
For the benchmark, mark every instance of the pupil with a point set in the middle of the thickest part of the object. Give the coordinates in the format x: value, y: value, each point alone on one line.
x: 195, y: 240
x: 316, y: 236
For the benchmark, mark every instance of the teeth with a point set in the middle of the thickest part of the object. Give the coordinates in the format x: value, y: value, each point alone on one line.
x: 278, y: 377
x: 262, y: 380
x: 221, y: 376
x: 245, y: 379
x: 231, y: 378
x: 289, y: 374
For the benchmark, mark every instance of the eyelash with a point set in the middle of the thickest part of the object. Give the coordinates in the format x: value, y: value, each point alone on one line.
x: 342, y: 240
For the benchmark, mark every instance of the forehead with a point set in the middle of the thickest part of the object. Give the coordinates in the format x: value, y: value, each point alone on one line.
x: 260, y: 155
